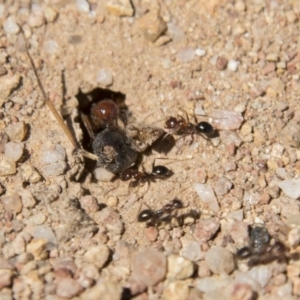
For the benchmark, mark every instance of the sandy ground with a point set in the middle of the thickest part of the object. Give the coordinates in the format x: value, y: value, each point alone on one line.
x: 63, y: 235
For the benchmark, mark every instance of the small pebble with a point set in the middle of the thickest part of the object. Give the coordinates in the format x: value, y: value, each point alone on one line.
x: 190, y: 249
x: 36, y: 18
x: 7, y: 166
x: 50, y: 14
x: 83, y: 6
x: 151, y: 233
x: 89, y: 204
x: 6, y: 277
x: 12, y: 203
x: 27, y: 198
x: 101, y: 174
x: 200, y: 52
x: 179, y: 267
x: 186, y: 55
x: 277, y: 85
x: 222, y: 186
x: 105, y: 77
x: 152, y: 25
x: 30, y: 174
x: 205, y: 229
x: 226, y: 120
x: 110, y: 219
x: 16, y: 131
x: 37, y: 247
x: 10, y: 26
x: 220, y: 260
x: 177, y: 33
x: 176, y: 290
x: 149, y: 266
x: 120, y: 8
x: 104, y: 289
x: 210, y: 284
x: 290, y: 134
x: 233, y: 65
x: 45, y: 232
x: 14, y: 150
x: 53, y: 161
x: 294, y: 237
x: 221, y: 63
x: 239, y: 232
x: 166, y: 63
x: 290, y: 187
x: 207, y: 195
x: 262, y: 274
x: 97, y: 255
x: 68, y: 288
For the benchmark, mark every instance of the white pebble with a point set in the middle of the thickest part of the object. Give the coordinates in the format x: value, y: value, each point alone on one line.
x: 101, y: 174
x: 277, y: 150
x: 7, y: 166
x: 10, y: 26
x: 83, y: 6
x: 105, y: 77
x: 166, y: 63
x: 53, y: 155
x: 14, y: 150
x: 207, y: 195
x: 290, y: 187
x: 200, y: 52
x: 233, y: 65
x: 36, y: 18
x: 226, y: 120
x: 262, y: 274
x: 51, y: 47
x: 190, y: 249
x: 186, y: 55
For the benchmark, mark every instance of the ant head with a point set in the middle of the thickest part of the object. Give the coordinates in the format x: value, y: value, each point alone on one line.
x: 171, y: 123
x: 243, y: 253
x: 161, y: 171
x: 145, y: 215
x: 205, y: 128
x: 105, y: 112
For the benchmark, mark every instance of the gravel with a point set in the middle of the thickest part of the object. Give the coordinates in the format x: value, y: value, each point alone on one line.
x: 62, y: 235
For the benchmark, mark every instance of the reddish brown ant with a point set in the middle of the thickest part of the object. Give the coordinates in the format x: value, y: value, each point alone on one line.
x: 105, y: 113
x: 182, y: 126
x: 163, y: 214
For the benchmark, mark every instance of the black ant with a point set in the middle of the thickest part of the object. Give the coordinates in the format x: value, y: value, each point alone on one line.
x: 261, y: 250
x: 161, y: 215
x: 182, y: 126
x: 137, y: 177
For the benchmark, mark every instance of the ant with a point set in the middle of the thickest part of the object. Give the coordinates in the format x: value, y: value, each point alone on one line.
x: 182, y: 126
x: 158, y: 216
x: 261, y: 250
x: 137, y: 177
x: 141, y: 177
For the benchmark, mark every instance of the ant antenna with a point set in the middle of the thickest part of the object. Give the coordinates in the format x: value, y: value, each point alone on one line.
x: 57, y: 115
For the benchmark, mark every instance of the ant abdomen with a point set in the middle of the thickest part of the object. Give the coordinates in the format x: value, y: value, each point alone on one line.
x: 205, y: 128
x: 161, y: 171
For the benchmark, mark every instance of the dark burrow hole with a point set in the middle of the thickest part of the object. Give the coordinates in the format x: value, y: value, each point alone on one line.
x: 86, y: 103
